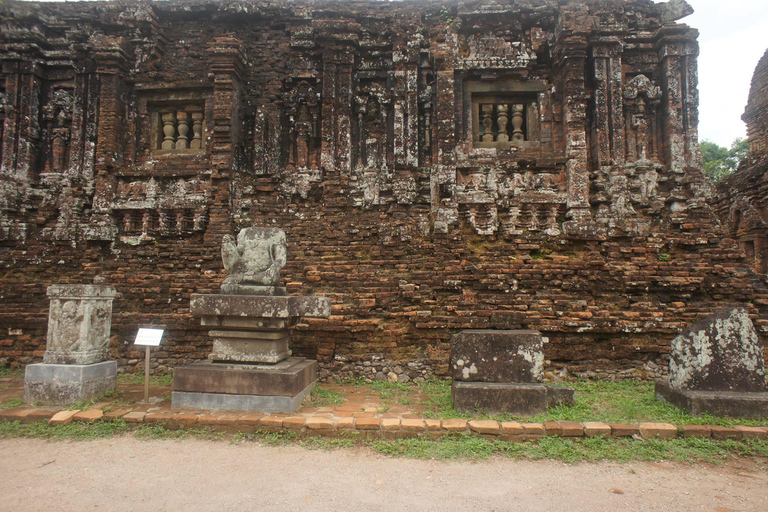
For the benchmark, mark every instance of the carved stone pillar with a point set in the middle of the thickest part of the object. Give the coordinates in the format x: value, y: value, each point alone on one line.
x: 608, y: 132
x: 22, y: 120
x: 572, y: 58
x: 678, y: 50
x: 226, y: 66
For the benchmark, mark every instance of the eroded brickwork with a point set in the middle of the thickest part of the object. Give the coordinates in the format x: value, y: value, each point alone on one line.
x: 743, y: 196
x: 435, y: 166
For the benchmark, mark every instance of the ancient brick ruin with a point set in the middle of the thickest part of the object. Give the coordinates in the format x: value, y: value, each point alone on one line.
x: 435, y: 166
x: 743, y: 196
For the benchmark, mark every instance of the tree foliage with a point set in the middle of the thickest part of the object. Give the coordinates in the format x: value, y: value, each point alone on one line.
x: 719, y: 162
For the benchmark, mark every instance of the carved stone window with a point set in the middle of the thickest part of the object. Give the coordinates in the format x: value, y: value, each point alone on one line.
x: 499, y: 121
x: 177, y: 129
x: 503, y: 114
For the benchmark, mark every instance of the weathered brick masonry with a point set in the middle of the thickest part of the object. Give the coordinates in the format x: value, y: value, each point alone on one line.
x: 742, y: 202
x: 436, y: 167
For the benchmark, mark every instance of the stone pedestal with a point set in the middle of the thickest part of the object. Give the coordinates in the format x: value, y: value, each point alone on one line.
x: 716, y: 366
x: 74, y: 366
x: 63, y: 384
x: 277, y: 387
x: 249, y: 368
x: 501, y: 371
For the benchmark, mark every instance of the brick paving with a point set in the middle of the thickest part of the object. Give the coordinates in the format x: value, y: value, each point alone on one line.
x: 362, y: 410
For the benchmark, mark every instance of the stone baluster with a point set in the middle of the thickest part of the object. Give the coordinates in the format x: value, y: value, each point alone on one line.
x: 517, y: 122
x: 180, y: 221
x: 197, y: 130
x: 169, y: 131
x: 502, y: 117
x: 487, y: 113
x: 182, y: 141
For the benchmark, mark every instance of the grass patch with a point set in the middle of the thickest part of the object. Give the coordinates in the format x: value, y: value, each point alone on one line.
x: 321, y: 397
x: 467, y: 447
x: 74, y: 431
x: 162, y: 380
x: 160, y: 432
x: 15, y: 402
x: 625, y: 401
x: 7, y: 371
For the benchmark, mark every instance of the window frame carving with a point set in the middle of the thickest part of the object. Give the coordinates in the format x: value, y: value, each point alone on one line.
x: 509, y: 92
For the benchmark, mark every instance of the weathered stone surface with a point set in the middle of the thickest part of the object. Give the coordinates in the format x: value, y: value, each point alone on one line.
x: 79, y: 323
x: 250, y: 348
x: 253, y: 262
x: 497, y: 356
x: 288, y: 378
x: 736, y: 404
x: 62, y: 384
x: 560, y: 395
x: 519, y: 399
x: 719, y: 353
x: 229, y: 402
x: 259, y: 306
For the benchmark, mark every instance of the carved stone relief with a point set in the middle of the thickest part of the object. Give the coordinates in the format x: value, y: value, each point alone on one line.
x: 641, y: 100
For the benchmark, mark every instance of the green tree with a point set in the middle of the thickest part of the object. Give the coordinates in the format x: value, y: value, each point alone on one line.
x: 719, y: 162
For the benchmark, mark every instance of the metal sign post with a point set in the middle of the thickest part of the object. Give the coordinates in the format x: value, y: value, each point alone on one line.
x: 148, y: 338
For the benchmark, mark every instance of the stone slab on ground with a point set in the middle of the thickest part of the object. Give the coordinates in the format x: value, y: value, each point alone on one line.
x: 287, y: 378
x: 514, y: 398
x: 230, y: 402
x: 751, y: 405
x: 720, y: 353
x: 560, y: 395
x: 484, y: 355
x: 63, y: 384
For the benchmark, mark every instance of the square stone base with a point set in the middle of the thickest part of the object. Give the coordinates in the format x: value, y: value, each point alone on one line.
x: 736, y: 404
x: 63, y: 384
x: 277, y: 387
x: 513, y: 398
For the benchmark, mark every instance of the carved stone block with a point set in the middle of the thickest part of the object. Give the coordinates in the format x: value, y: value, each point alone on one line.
x: 720, y: 353
x: 79, y: 323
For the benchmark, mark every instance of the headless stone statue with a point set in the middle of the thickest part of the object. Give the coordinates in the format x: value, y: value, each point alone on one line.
x: 253, y: 263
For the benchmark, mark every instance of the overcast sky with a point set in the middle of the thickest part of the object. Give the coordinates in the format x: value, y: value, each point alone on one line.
x: 733, y: 35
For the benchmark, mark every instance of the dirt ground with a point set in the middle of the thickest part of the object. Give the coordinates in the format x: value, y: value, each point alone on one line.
x: 125, y: 474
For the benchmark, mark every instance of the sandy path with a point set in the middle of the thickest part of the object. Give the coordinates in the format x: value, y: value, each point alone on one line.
x: 127, y: 474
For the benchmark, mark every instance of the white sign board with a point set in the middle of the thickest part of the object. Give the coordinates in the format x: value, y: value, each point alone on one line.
x: 149, y: 337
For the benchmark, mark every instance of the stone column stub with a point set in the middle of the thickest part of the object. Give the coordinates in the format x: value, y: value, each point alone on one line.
x: 79, y: 322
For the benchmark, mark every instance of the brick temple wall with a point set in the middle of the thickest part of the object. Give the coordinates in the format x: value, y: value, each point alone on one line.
x: 435, y: 167
x: 742, y: 198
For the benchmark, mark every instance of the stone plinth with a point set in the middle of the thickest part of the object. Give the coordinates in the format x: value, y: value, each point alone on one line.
x: 79, y: 321
x: 501, y: 371
x: 62, y: 384
x: 254, y: 328
x: 736, y: 404
x: 481, y: 355
x: 249, y: 368
x: 266, y: 388
x: 74, y: 366
x: 716, y: 367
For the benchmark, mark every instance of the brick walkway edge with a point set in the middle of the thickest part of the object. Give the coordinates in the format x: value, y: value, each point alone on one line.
x: 332, y: 426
